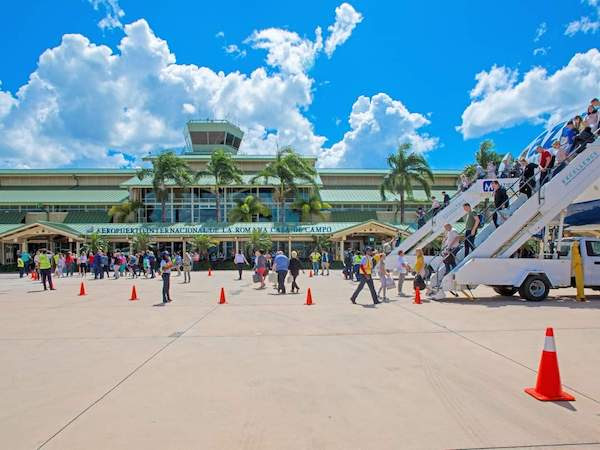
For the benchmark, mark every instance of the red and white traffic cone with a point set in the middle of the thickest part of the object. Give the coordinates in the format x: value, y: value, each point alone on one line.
x: 548, y: 386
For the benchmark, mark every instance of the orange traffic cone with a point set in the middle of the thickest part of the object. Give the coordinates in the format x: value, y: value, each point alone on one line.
x: 417, y: 300
x: 308, y: 297
x: 82, y: 289
x: 34, y: 276
x: 133, y: 294
x: 222, y: 300
x: 548, y: 386
x: 209, y: 272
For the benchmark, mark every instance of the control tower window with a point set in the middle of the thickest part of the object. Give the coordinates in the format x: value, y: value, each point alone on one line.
x: 229, y: 139
x: 199, y: 137
x: 236, y: 142
x: 216, y: 137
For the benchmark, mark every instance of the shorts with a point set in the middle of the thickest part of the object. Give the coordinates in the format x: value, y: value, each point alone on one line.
x: 261, y: 271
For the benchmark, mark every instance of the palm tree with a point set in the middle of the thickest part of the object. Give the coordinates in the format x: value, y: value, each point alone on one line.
x: 407, y: 168
x: 247, y: 209
x: 166, y: 169
x: 322, y: 242
x: 96, y: 241
x: 125, y: 212
x: 288, y: 169
x: 203, y: 242
x: 483, y: 156
x: 222, y: 167
x: 310, y: 207
x: 259, y: 240
x: 141, y: 242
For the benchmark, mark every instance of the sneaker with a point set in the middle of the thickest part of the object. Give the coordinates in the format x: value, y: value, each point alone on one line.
x: 353, y: 301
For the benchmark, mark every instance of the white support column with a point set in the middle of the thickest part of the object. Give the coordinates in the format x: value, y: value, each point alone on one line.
x: 237, y: 245
x: 341, y: 255
x: 77, y: 247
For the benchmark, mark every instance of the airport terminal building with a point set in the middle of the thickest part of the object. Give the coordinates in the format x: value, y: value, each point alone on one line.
x: 59, y: 208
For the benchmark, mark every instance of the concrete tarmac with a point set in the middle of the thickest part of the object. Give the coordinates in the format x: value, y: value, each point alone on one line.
x: 267, y: 372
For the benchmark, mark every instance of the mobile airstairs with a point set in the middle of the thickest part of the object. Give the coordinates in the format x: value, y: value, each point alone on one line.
x: 526, y: 218
x: 434, y: 226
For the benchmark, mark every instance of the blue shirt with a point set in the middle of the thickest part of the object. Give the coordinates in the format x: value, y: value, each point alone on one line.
x: 569, y: 134
x: 282, y: 262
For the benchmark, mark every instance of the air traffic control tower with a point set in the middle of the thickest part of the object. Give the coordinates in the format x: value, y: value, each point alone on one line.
x: 205, y: 136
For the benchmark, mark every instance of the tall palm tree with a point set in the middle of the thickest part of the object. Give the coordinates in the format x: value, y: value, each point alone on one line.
x: 287, y: 169
x: 247, y: 209
x: 222, y: 167
x: 310, y: 207
x: 406, y: 168
x: 166, y: 169
x: 125, y: 212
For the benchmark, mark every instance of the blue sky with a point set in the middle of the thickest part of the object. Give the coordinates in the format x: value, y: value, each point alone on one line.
x: 399, y: 72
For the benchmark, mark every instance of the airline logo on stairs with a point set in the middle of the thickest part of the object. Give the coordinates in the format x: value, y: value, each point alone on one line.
x: 577, y: 169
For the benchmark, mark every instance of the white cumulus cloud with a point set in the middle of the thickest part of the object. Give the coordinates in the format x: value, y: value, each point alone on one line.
x: 346, y: 19
x: 501, y: 101
x: 377, y: 126
x: 584, y: 24
x: 234, y: 50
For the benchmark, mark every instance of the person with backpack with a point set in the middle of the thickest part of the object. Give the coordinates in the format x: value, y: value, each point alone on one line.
x: 472, y: 222
x: 500, y: 200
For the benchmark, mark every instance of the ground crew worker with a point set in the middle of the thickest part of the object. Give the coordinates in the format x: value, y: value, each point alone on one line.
x: 20, y: 266
x: 366, y: 268
x: 45, y: 269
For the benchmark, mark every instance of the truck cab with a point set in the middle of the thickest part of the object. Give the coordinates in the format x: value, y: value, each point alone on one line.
x: 589, y: 248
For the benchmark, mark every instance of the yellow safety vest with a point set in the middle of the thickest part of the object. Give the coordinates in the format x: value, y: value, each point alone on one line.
x: 44, y: 261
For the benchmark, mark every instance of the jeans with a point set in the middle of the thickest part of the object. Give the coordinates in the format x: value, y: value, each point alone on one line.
x: 240, y: 269
x: 187, y: 274
x: 281, y: 280
x: 452, y: 260
x: 315, y: 266
x: 544, y: 177
x: 469, y: 242
x: 21, y: 271
x: 166, y: 277
x: 47, y: 276
x: 369, y: 281
x: 294, y: 276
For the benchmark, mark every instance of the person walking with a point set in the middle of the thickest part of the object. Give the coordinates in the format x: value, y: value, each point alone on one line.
x: 20, y: 265
x: 83, y: 259
x: 402, y: 269
x: 187, y: 267
x: 315, y: 258
x: 544, y: 165
x: 450, y: 247
x: 500, y: 201
x: 471, y: 225
x: 356, y: 265
x: 348, y: 265
x: 527, y: 181
x: 70, y: 263
x: 260, y: 267
x: 178, y: 263
x: 325, y: 262
x: 281, y: 264
x: 366, y: 267
x: 45, y: 259
x: 98, y: 265
x: 165, y: 270
x: 240, y: 259
x: 383, y: 276
x: 419, y: 281
x: 446, y: 198
x: 295, y: 266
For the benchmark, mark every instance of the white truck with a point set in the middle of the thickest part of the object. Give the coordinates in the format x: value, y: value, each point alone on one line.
x: 533, y: 278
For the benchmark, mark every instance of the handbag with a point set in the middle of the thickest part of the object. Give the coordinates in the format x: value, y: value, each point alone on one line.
x: 389, y: 283
x: 255, y: 277
x: 419, y: 282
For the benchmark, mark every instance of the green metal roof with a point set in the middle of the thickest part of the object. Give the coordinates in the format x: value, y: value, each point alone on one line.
x: 209, y: 180
x: 372, y: 196
x: 5, y: 227
x: 87, y: 217
x: 62, y: 196
x: 11, y: 216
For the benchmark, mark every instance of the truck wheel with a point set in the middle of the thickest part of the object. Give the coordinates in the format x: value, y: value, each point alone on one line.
x: 535, y: 288
x: 505, y: 291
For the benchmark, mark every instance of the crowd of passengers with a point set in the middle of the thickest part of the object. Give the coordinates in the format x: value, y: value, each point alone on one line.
x: 578, y: 132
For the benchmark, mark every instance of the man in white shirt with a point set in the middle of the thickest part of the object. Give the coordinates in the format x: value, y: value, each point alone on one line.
x: 450, y: 246
x: 402, y: 270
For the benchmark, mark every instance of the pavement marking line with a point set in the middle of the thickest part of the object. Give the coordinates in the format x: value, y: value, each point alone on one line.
x: 577, y: 444
x: 129, y: 375
x: 485, y: 347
